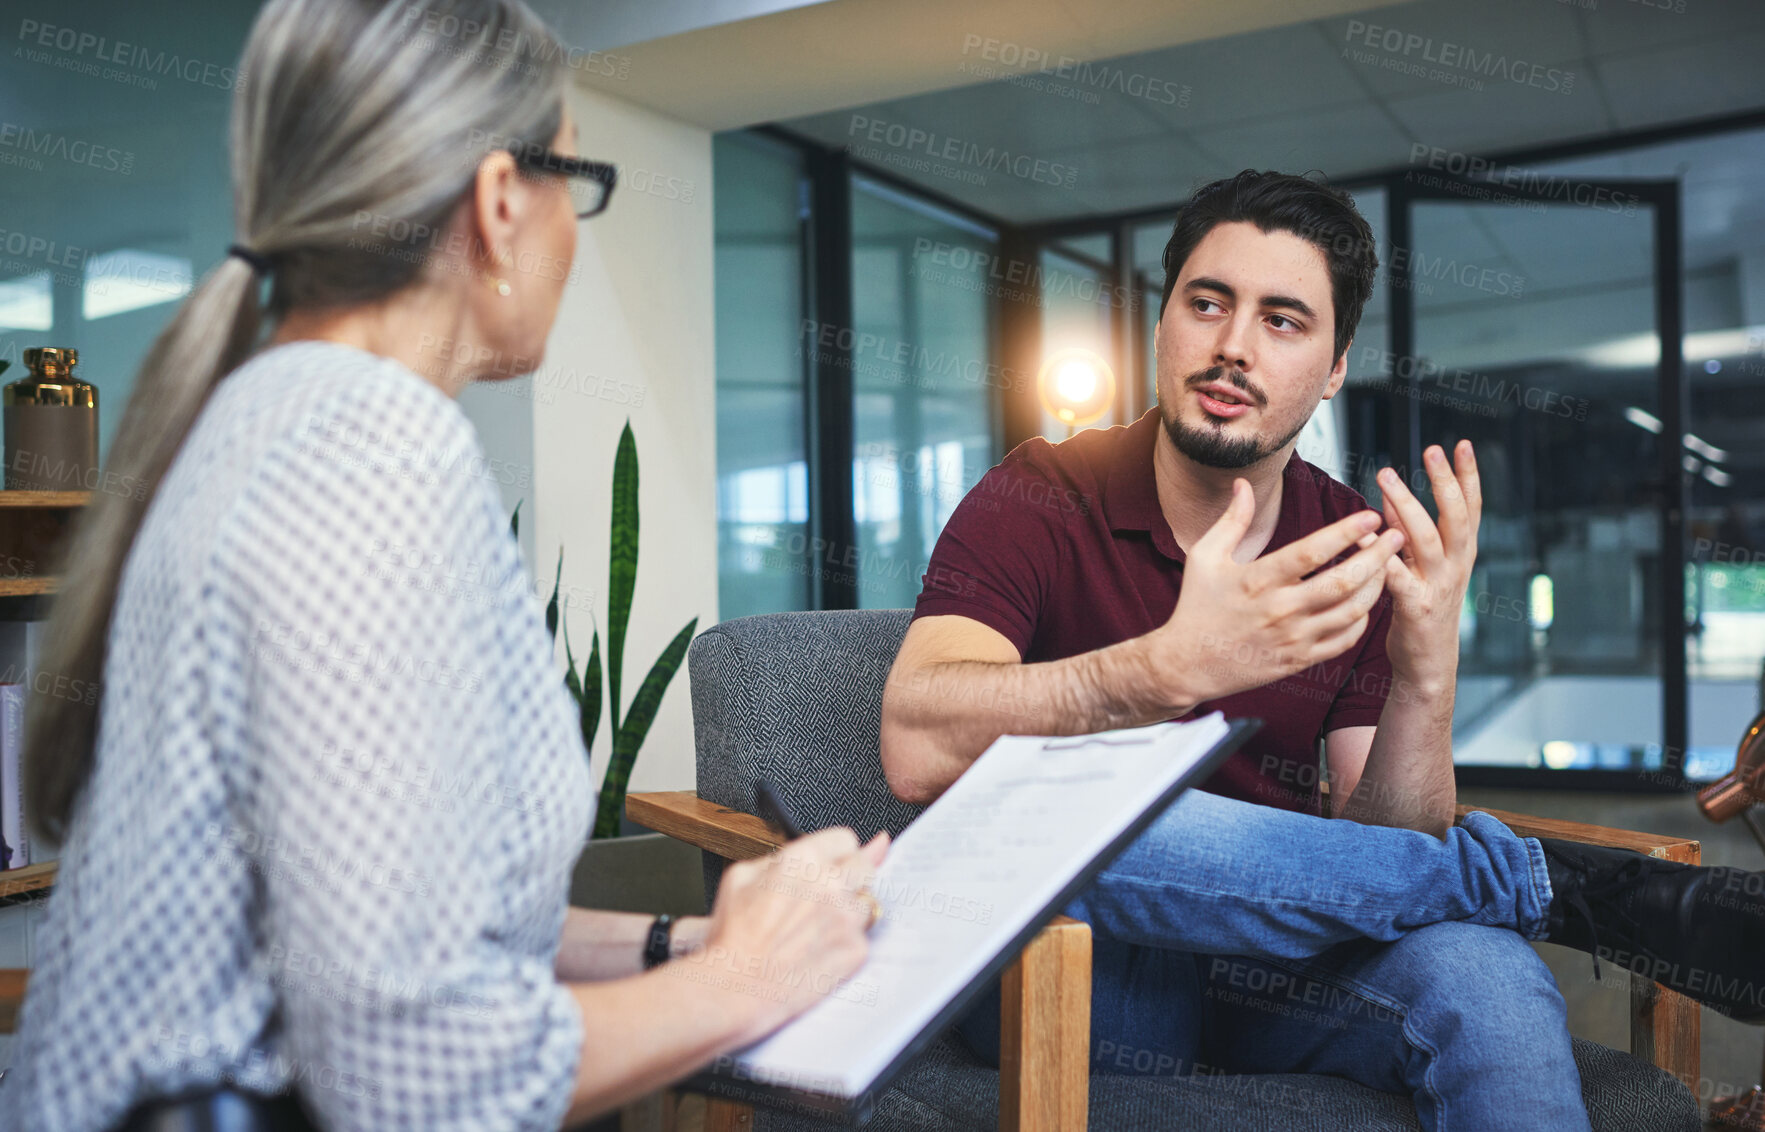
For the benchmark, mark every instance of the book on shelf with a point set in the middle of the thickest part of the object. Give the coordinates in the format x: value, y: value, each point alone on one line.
x: 12, y: 810
x: 21, y: 646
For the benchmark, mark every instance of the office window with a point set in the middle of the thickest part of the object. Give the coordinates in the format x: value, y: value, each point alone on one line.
x: 762, y: 465
x: 923, y: 382
x: 1722, y: 449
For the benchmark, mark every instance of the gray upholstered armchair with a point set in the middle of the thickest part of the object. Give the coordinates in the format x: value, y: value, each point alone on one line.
x: 797, y: 698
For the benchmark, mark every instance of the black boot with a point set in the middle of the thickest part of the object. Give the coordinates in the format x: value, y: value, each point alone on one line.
x: 1699, y: 931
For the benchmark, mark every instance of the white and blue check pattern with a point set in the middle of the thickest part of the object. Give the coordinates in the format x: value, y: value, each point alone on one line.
x: 338, y: 787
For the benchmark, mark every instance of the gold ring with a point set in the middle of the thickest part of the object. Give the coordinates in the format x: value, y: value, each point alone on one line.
x: 876, y: 909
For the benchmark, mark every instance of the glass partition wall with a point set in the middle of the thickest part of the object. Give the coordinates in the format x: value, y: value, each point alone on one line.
x: 762, y: 436
x: 856, y: 382
x: 923, y: 410
x: 1509, y: 305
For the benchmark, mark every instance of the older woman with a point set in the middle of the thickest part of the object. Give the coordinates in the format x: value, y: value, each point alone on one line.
x: 318, y: 834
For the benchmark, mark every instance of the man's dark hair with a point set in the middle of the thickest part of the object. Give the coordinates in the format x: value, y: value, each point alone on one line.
x: 1322, y: 216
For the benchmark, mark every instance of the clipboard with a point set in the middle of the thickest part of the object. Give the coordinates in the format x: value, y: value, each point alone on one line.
x: 726, y: 1080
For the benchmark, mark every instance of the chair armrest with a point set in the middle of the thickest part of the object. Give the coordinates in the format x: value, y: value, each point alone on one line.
x: 1655, y: 845
x: 1666, y: 1028
x: 684, y: 816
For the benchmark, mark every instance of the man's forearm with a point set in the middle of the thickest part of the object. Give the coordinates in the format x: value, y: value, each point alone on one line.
x: 1408, y: 779
x: 939, y: 717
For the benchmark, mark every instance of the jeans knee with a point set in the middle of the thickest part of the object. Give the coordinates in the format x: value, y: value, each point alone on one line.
x: 1486, y: 983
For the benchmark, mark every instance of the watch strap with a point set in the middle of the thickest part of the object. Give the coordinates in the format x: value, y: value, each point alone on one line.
x: 658, y: 943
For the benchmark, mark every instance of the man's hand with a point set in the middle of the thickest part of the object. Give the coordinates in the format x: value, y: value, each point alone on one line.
x: 1427, y: 583
x: 1240, y: 625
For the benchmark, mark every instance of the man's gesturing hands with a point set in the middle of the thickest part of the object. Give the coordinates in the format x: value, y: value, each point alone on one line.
x: 1241, y: 625
x: 1428, y: 582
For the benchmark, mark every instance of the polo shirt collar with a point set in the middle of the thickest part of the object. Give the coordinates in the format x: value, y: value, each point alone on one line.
x: 1130, y: 494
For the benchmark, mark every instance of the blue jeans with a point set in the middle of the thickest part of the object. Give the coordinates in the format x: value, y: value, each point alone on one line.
x: 1239, y: 938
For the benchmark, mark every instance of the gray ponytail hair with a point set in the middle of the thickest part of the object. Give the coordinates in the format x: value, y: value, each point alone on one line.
x: 357, y: 127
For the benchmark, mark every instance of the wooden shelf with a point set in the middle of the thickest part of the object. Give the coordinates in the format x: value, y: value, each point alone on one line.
x: 45, y: 500
x: 32, y: 525
x: 26, y: 882
x: 34, y: 529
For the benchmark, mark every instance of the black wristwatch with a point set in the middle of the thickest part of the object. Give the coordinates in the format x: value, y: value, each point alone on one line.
x: 658, y: 944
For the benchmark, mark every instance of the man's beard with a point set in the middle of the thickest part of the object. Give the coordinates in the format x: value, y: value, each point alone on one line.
x: 1210, y: 445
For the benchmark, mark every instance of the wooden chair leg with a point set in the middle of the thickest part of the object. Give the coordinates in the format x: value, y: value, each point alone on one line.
x: 654, y: 1113
x: 723, y: 1115
x: 1666, y: 1029
x: 1045, y: 1032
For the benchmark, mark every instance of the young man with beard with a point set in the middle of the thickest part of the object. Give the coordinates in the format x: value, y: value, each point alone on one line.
x: 1192, y: 562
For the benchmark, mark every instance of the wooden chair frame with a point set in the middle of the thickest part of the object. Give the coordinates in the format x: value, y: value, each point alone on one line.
x: 1045, y: 1023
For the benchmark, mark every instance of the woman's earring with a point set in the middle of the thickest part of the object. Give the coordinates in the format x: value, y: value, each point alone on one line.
x: 502, y: 286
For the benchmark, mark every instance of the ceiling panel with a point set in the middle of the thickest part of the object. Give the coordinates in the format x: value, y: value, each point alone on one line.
x: 1229, y: 84
x: 1688, y: 81
x: 959, y: 127
x: 1615, y: 28
x: 1118, y: 177
x: 1332, y: 138
x: 1496, y: 118
x: 1288, y: 98
x: 1399, y: 50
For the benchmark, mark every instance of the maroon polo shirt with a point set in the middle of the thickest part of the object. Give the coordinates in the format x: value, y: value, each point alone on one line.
x: 1063, y: 549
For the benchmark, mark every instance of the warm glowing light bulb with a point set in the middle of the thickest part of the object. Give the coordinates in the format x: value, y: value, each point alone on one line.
x: 1076, y: 386
x: 1076, y: 380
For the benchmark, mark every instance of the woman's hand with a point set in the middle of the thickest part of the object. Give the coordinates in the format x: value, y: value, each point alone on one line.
x: 787, y: 928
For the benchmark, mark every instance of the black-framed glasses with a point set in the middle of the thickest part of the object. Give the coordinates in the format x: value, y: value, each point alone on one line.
x: 590, y: 182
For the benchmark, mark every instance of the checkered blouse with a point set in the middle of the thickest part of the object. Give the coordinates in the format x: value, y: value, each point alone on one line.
x: 338, y: 788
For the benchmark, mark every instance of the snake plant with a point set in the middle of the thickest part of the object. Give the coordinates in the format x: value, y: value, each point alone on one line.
x: 629, y: 728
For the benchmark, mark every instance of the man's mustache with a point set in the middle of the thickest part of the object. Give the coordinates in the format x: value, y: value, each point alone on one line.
x: 1233, y: 377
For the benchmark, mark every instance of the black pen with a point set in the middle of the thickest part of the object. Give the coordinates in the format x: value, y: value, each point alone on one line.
x: 773, y: 810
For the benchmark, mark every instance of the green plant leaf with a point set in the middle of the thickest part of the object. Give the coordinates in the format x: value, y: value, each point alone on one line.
x: 514, y: 516
x: 629, y: 738
x: 570, y: 678
x: 622, y: 565
x: 591, y: 694
x: 551, y: 607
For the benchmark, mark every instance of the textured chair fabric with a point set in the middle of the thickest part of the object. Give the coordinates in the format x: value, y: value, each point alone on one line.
x: 796, y: 698
x: 947, y: 1090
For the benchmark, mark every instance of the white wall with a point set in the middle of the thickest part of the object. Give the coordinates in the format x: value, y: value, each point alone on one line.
x: 633, y: 338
